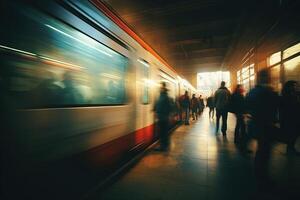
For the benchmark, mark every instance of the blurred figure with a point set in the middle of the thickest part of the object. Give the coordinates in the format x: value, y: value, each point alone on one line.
x: 238, y: 106
x: 178, y: 107
x: 263, y: 103
x: 222, y: 96
x: 211, y: 105
x: 47, y: 93
x: 194, y: 106
x: 289, y: 115
x: 162, y: 109
x: 200, y: 104
x: 69, y: 92
x: 186, y: 107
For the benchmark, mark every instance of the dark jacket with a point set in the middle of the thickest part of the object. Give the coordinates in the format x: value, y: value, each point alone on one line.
x: 289, y: 114
x: 237, y: 102
x: 194, y: 103
x: 186, y: 102
x: 163, y: 106
x: 262, y: 103
x: 210, y: 102
x: 222, y: 97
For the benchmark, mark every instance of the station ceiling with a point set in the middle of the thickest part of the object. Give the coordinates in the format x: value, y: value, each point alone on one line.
x: 191, y: 35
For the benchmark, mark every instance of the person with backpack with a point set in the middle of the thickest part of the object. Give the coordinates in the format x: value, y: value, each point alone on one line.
x: 222, y: 97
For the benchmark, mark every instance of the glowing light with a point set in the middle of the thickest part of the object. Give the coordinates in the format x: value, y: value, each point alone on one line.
x: 292, y: 64
x: 291, y: 50
x: 61, y: 62
x: 17, y: 50
x: 111, y: 76
x: 208, y: 82
x: 70, y: 36
x: 165, y: 76
x: 275, y: 58
x: 143, y: 62
x: 43, y: 58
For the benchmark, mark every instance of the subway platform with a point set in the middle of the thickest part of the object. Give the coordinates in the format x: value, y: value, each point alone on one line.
x: 204, y: 165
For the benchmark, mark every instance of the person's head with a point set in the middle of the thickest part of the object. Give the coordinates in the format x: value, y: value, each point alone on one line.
x: 289, y: 88
x: 239, y: 89
x: 186, y: 93
x: 223, y: 84
x: 163, y: 87
x: 263, y: 77
x: 200, y: 96
x: 193, y: 95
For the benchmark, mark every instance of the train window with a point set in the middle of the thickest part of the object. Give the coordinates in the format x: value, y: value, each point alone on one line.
x: 145, y: 81
x: 275, y: 77
x: 275, y: 58
x: 292, y: 69
x: 291, y: 51
x: 246, y: 76
x: 55, y: 65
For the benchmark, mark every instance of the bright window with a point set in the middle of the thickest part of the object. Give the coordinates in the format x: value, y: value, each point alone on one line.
x: 292, y: 69
x: 145, y: 80
x: 275, y: 58
x: 209, y: 82
x: 62, y: 67
x: 291, y: 51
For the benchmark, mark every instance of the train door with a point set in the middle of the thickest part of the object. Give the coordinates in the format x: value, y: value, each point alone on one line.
x: 144, y: 107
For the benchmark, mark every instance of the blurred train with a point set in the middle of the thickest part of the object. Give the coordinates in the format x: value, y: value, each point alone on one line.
x: 77, y: 81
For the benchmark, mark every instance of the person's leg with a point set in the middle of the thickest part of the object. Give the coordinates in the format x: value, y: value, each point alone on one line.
x: 164, y: 134
x: 218, y: 113
x: 209, y: 114
x: 237, y: 128
x: 187, y: 116
x: 224, y: 121
x: 262, y: 158
x: 213, y: 112
x: 242, y: 128
x: 193, y: 114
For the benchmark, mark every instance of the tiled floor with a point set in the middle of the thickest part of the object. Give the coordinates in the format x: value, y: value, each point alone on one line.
x: 203, y: 165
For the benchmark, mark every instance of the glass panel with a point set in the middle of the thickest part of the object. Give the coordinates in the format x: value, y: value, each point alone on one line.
x: 245, y: 69
x: 52, y: 64
x: 292, y: 69
x: 145, y: 80
x: 275, y: 78
x: 246, y: 84
x: 275, y: 58
x: 251, y: 69
x: 291, y: 51
x: 252, y: 81
x: 245, y: 75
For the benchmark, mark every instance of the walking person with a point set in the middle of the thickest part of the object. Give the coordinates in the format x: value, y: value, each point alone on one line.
x: 211, y: 105
x: 222, y: 96
x: 194, y: 107
x: 162, y: 109
x: 186, y: 107
x: 289, y: 115
x: 262, y: 103
x: 238, y: 108
x: 201, y: 104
